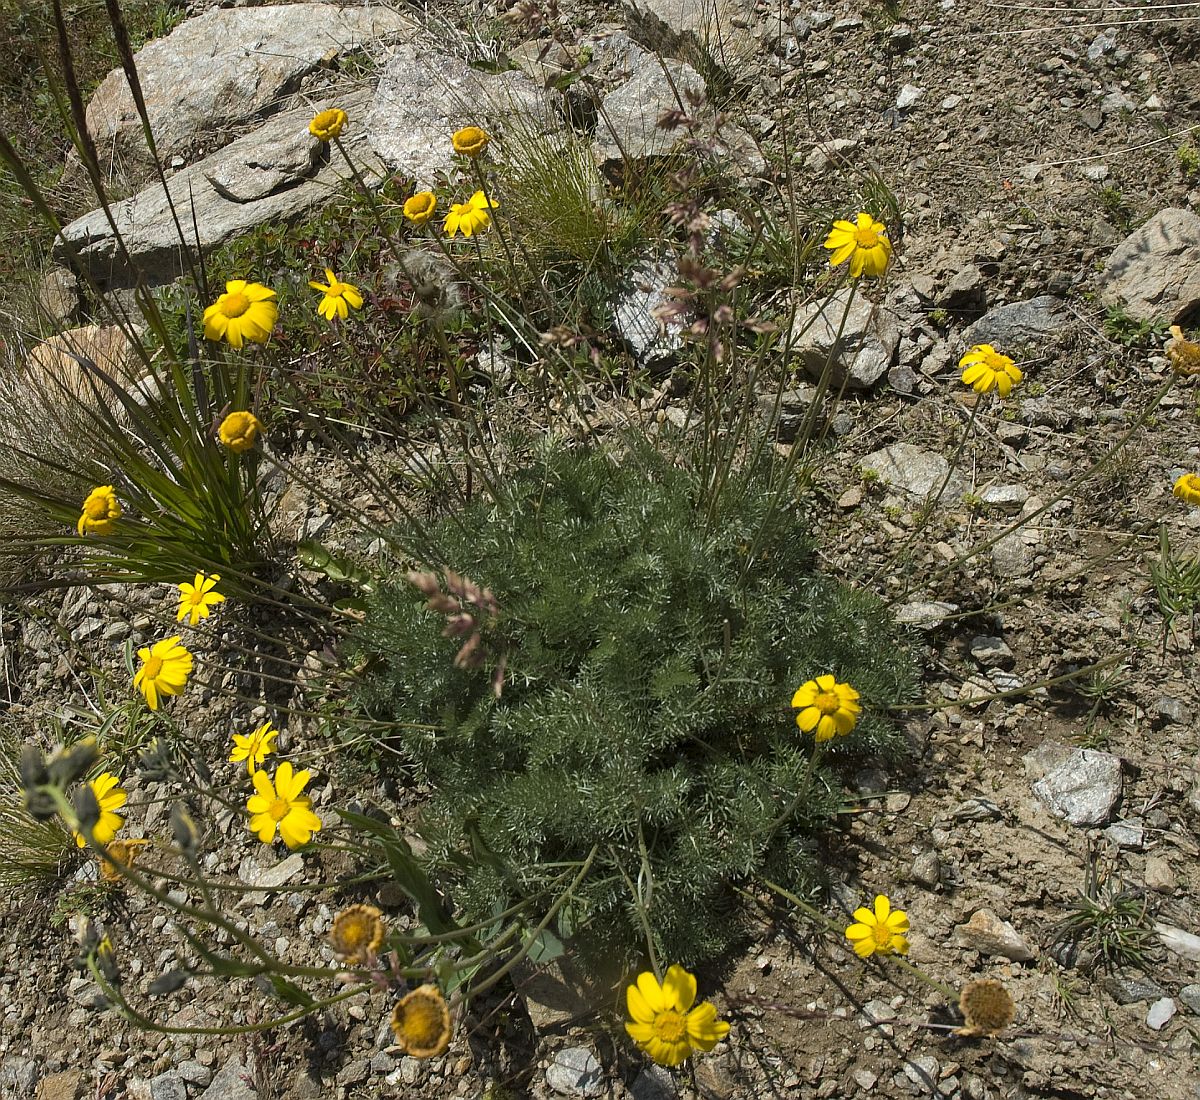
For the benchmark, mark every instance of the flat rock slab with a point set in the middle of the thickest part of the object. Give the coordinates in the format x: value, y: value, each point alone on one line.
x: 1084, y: 789
x: 917, y: 472
x: 424, y: 95
x: 863, y: 352
x: 1154, y: 274
x: 224, y: 69
x: 275, y: 174
x: 1009, y: 327
x: 628, y: 124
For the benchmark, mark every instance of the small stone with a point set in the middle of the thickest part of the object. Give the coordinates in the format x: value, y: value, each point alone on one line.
x: 1177, y: 940
x: 992, y: 652
x: 989, y: 935
x: 1019, y: 323
x: 167, y: 1086
x: 918, y: 472
x: 1128, y: 989
x: 1126, y: 834
x: 925, y: 614
x: 927, y: 870
x: 194, y: 1073
x: 909, y: 95
x: 1160, y: 1014
x: 923, y: 1071
x: 355, y: 1072
x: 1154, y: 273
x: 230, y: 1083
x: 1170, y: 711
x: 1084, y: 790
x: 1101, y: 44
x: 851, y: 498
x: 59, y: 1086
x: 977, y: 809
x: 1097, y: 173
x: 858, y: 357
x: 18, y: 1075
x: 1009, y: 498
x: 865, y: 1079
x: 653, y: 1083
x: 1159, y: 876
x: 574, y: 1071
x: 1190, y: 996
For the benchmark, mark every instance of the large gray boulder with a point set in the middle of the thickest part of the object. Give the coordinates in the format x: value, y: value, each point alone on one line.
x: 274, y: 174
x: 223, y: 71
x: 1154, y: 274
x: 424, y: 95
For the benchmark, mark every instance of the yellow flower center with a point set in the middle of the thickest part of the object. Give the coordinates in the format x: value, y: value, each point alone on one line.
x: 827, y: 702
x: 153, y: 667
x: 279, y: 809
x: 670, y: 1026
x: 235, y: 304
x: 883, y: 936
x: 96, y: 508
x: 866, y: 238
x: 422, y: 1023
x: 995, y: 362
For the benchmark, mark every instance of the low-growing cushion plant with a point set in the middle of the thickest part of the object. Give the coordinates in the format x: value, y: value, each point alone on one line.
x: 649, y: 650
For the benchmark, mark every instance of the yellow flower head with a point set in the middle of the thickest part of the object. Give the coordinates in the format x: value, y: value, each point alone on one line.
x: 664, y: 1023
x: 166, y: 666
x: 881, y: 932
x: 280, y: 805
x: 196, y: 600
x: 1187, y: 487
x: 328, y: 124
x: 470, y: 141
x: 101, y: 511
x: 471, y: 216
x: 864, y: 244
x: 110, y: 798
x: 826, y: 707
x: 985, y: 369
x: 239, y: 431
x: 339, y: 298
x: 246, y: 311
x: 357, y: 934
x: 1183, y: 354
x: 987, y: 1006
x: 255, y: 747
x: 120, y: 853
x: 419, y: 208
x: 421, y: 1023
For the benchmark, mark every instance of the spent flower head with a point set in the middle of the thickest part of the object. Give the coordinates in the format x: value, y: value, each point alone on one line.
x: 827, y: 708
x: 864, y: 242
x: 255, y: 747
x: 985, y: 369
x: 109, y: 798
x: 987, y: 1007
x: 357, y: 934
x: 470, y: 141
x: 471, y: 216
x: 421, y: 1022
x: 119, y: 853
x: 664, y: 1023
x: 101, y: 511
x: 239, y: 431
x: 419, y: 208
x: 882, y: 932
x: 1183, y: 354
x: 281, y: 806
x: 246, y: 311
x: 339, y: 297
x: 166, y: 666
x: 326, y: 125
x: 197, y: 598
x: 1187, y: 488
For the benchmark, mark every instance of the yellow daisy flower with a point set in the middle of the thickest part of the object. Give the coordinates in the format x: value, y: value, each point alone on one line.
x: 255, y: 747
x: 101, y: 511
x: 196, y: 600
x: 110, y: 797
x: 239, y: 431
x: 357, y: 933
x: 419, y: 208
x: 165, y: 668
x: 280, y: 805
x: 471, y: 216
x: 863, y: 242
x: 1187, y: 488
x: 470, y: 141
x: 881, y: 932
x: 246, y: 311
x: 827, y: 708
x: 327, y: 125
x: 339, y: 298
x: 985, y: 369
x: 664, y: 1023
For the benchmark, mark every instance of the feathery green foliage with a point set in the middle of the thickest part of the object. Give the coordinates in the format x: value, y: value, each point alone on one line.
x: 650, y: 666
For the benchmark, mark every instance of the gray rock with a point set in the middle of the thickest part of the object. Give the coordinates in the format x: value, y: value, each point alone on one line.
x: 787, y: 414
x: 1159, y: 876
x: 230, y: 1083
x: 1190, y: 996
x: 909, y: 95
x: 557, y: 992
x: 269, y: 876
x: 927, y: 870
x: 194, y: 1073
x: 1154, y: 273
x: 1130, y: 988
x: 1103, y: 43
x: 826, y: 154
x: 574, y: 1071
x: 1008, y: 327
x: 920, y: 473
x: 59, y: 296
x: 425, y: 94
x: 869, y: 338
x: 18, y: 1075
x: 628, y: 125
x: 1126, y: 834
x: 1008, y: 498
x: 992, y: 652
x: 354, y: 1072
x: 1177, y: 940
x: 922, y: 1070
x: 1015, y: 555
x: 224, y: 69
x: 977, y: 809
x: 694, y: 29
x: 989, y: 935
x: 634, y: 314
x: 951, y: 280
x: 1169, y: 710
x: 262, y: 190
x: 653, y: 1083
x: 1084, y: 789
x: 168, y: 1086
x: 925, y: 614
x: 1115, y: 103
x: 1160, y: 1014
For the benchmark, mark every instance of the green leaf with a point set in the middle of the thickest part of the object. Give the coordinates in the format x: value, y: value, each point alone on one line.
x: 289, y: 992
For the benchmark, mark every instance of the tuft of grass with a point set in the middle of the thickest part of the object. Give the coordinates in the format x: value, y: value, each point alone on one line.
x: 32, y: 852
x: 1176, y: 580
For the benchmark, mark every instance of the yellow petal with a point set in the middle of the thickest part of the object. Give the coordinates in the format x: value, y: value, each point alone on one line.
x: 638, y: 1007
x: 652, y: 992
x: 679, y: 987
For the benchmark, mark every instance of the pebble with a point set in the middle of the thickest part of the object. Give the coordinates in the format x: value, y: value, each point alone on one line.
x: 1126, y: 834
x: 927, y: 870
x: 1168, y: 710
x: 992, y: 652
x: 1190, y: 996
x: 574, y: 1071
x: 1159, y: 876
x: 1084, y: 789
x: 1128, y: 989
x: 653, y: 1083
x: 923, y: 1071
x: 909, y: 95
x: 1177, y: 940
x: 1160, y: 1014
x: 989, y: 935
x: 168, y: 1086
